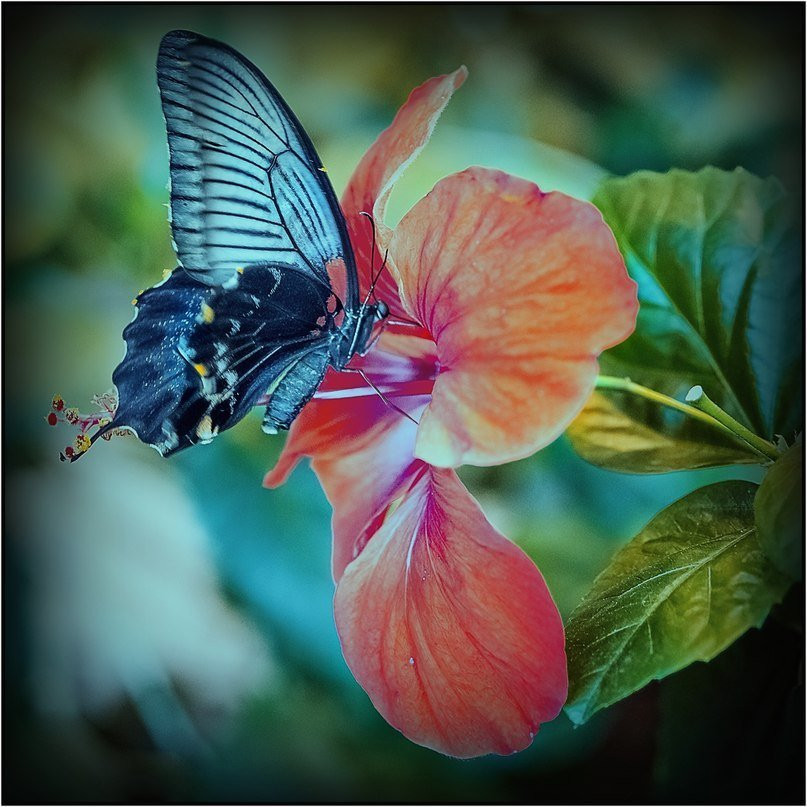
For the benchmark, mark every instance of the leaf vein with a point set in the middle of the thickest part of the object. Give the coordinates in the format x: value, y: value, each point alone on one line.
x: 663, y: 597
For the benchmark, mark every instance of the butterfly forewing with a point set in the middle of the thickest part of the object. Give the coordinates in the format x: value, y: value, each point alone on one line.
x: 246, y: 184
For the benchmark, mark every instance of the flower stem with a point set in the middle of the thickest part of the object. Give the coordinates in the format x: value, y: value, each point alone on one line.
x: 698, y: 398
x: 709, y: 415
x: 626, y: 385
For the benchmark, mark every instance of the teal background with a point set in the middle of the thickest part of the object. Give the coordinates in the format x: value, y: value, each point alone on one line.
x: 168, y: 630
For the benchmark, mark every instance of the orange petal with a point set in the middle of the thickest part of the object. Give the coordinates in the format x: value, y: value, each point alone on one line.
x: 362, y: 484
x: 521, y: 291
x: 371, y: 184
x: 450, y: 628
x: 326, y: 427
x: 333, y: 426
x: 362, y: 450
x: 320, y: 425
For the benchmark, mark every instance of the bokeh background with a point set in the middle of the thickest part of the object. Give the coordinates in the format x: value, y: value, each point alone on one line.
x: 168, y: 633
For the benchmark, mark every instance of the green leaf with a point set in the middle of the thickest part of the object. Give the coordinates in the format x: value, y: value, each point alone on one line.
x: 691, y: 582
x: 717, y: 259
x: 778, y: 508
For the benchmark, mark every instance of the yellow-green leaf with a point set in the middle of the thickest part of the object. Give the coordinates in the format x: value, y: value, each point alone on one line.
x: 608, y: 436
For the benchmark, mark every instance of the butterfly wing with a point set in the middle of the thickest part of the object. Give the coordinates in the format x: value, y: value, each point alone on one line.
x: 247, y: 186
x: 154, y: 381
x: 256, y: 227
x: 199, y: 357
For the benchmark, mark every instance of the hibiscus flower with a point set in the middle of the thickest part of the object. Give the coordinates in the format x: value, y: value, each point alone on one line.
x: 501, y: 298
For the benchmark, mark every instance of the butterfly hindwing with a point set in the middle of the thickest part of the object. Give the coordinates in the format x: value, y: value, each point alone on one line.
x: 246, y: 184
x: 198, y: 358
x: 154, y: 381
x: 251, y: 336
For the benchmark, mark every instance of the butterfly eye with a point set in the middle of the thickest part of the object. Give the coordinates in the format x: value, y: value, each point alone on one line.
x: 381, y: 310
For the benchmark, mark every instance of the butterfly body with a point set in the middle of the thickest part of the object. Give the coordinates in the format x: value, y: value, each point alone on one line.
x: 250, y: 316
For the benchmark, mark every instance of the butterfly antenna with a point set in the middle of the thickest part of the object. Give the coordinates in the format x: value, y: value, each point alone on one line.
x: 382, y: 268
x: 372, y: 255
x: 374, y: 276
x: 372, y: 225
x: 374, y: 280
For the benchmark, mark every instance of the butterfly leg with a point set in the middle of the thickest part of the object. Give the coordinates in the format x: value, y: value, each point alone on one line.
x: 378, y: 392
x: 387, y: 321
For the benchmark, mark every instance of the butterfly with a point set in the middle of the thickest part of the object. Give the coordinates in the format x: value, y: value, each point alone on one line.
x: 250, y: 315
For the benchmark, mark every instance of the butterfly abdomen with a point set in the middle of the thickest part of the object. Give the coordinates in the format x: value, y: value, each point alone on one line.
x: 294, y: 390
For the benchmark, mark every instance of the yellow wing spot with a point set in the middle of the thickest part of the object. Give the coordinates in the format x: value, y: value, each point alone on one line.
x: 201, y: 369
x: 205, y: 430
x: 323, y: 169
x: 240, y: 270
x: 208, y: 314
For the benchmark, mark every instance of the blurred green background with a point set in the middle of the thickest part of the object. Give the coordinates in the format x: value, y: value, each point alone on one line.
x: 168, y: 626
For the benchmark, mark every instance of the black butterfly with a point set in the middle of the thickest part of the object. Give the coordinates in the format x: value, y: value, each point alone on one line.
x: 251, y: 310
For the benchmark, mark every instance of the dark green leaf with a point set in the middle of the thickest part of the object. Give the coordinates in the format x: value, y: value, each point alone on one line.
x: 717, y: 260
x: 778, y: 508
x: 691, y: 582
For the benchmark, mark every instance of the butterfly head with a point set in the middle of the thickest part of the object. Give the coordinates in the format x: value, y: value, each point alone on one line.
x: 372, y: 316
x: 356, y: 331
